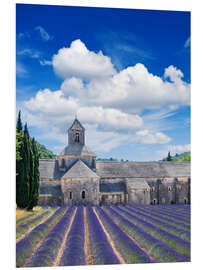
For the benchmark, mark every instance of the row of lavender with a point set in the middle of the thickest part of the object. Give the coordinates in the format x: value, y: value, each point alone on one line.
x: 137, y: 235
x: 151, y: 236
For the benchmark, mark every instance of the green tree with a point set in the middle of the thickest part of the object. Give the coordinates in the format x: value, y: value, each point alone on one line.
x: 25, y: 183
x: 35, y: 179
x: 19, y: 125
x: 169, y: 158
x: 19, y: 162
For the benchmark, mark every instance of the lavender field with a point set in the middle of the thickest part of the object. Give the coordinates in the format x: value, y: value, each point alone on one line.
x: 71, y: 235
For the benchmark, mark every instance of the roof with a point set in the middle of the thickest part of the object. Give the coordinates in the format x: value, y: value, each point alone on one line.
x: 80, y: 170
x: 112, y: 187
x: 76, y: 149
x: 142, y: 169
x: 137, y: 183
x: 49, y: 169
x: 77, y: 125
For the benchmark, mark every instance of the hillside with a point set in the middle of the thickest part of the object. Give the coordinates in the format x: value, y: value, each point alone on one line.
x: 180, y: 157
x: 44, y: 153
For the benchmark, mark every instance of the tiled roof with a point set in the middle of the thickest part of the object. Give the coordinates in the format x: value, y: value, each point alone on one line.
x: 80, y: 170
x: 142, y: 169
x: 76, y: 149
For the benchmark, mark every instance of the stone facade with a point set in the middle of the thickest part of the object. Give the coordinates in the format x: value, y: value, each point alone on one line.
x: 76, y: 178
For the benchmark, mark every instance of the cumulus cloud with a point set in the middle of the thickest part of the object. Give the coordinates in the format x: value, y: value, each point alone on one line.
x: 110, y: 103
x: 132, y: 90
x: 79, y: 62
x: 43, y: 33
x: 145, y: 137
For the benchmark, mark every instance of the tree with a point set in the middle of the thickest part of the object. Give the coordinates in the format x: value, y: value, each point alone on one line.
x: 25, y: 183
x: 19, y: 163
x: 35, y: 179
x: 169, y: 158
x: 19, y: 125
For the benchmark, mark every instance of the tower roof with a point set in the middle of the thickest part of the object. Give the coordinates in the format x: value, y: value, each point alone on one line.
x: 80, y: 170
x: 76, y: 125
x: 76, y: 150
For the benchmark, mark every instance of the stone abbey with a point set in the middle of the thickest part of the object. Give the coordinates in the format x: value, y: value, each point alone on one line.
x: 75, y: 177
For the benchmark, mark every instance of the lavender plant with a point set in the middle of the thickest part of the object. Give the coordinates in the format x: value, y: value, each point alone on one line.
x: 180, y: 245
x: 99, y: 244
x: 74, y: 248
x: 48, y: 250
x: 25, y: 246
x: 126, y: 246
x: 160, y: 251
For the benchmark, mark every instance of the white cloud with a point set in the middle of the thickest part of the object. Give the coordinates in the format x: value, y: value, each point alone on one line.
x: 109, y: 119
x: 79, y: 62
x: 20, y: 70
x: 132, y: 90
x: 45, y: 63
x: 187, y: 43
x: 29, y: 52
x: 110, y: 104
x: 173, y: 73
x: 43, y: 33
x: 145, y: 137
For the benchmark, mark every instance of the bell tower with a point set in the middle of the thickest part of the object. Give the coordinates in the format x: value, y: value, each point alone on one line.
x: 76, y: 133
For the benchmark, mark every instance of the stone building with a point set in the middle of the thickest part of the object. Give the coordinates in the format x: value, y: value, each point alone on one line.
x: 76, y: 178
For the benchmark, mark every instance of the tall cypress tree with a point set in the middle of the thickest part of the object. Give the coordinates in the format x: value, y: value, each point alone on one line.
x: 19, y: 125
x: 34, y: 185
x: 19, y: 162
x: 26, y: 169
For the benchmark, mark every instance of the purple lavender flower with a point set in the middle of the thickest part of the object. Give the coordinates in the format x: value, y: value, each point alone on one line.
x: 99, y: 244
x: 74, y: 248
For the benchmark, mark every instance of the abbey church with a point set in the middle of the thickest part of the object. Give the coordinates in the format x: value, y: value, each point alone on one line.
x: 75, y: 177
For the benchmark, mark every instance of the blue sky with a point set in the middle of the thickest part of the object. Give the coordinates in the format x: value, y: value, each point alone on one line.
x: 125, y: 73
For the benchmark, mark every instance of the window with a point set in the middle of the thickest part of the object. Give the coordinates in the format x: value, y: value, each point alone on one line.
x: 169, y: 188
x: 70, y: 195
x: 77, y: 137
x: 83, y: 194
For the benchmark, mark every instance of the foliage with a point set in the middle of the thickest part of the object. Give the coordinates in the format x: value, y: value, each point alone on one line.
x: 179, y: 157
x: 169, y: 158
x: 44, y: 153
x: 27, y: 168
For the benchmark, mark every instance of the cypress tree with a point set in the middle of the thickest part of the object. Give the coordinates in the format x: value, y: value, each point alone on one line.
x: 19, y: 162
x: 25, y: 185
x: 35, y: 183
x: 19, y: 123
x: 169, y: 158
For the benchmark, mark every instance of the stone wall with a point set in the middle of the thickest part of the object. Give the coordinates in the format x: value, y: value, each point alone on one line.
x: 169, y: 190
x: 80, y: 191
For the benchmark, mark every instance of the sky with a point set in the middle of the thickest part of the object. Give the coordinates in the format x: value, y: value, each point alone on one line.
x: 125, y: 73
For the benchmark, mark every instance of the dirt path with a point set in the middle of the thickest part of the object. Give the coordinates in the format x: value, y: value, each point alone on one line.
x: 119, y: 256
x: 42, y: 221
x: 61, y: 249
x: 141, y: 247
x: 40, y: 242
x: 89, y: 258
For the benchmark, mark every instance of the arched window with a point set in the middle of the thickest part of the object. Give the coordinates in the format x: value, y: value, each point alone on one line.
x: 83, y: 194
x: 70, y: 195
x: 77, y: 135
x: 169, y: 188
